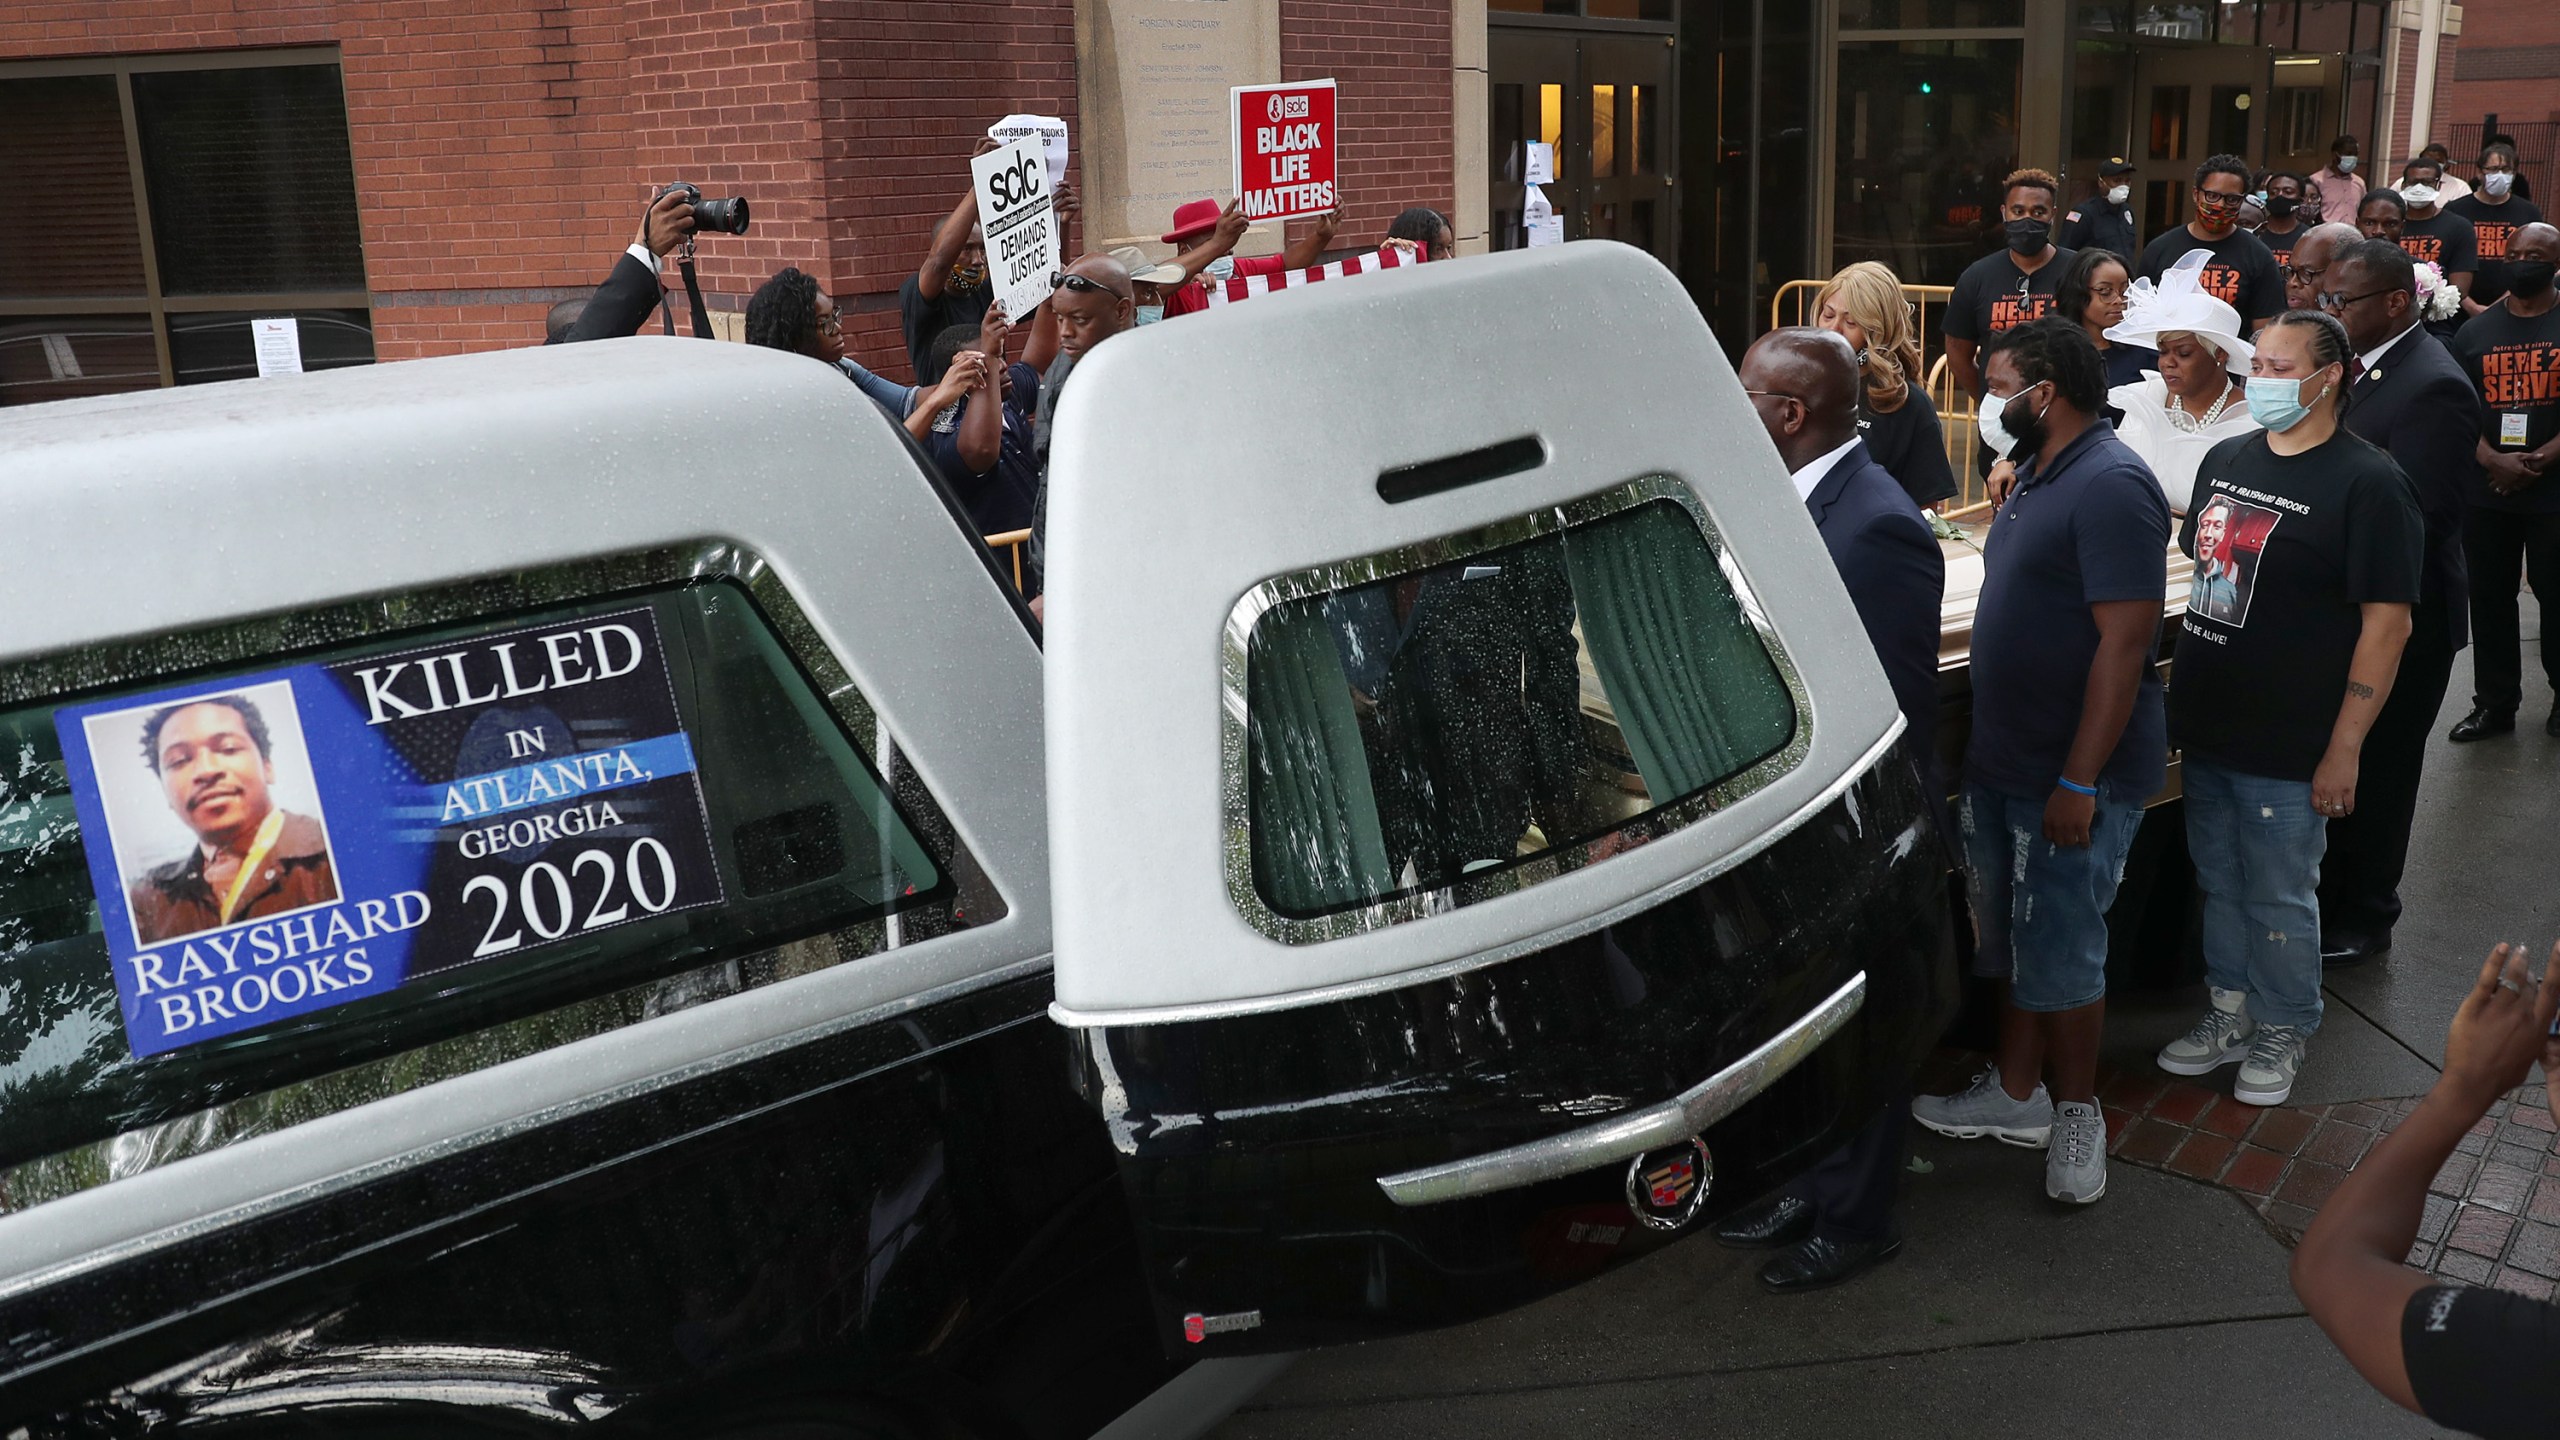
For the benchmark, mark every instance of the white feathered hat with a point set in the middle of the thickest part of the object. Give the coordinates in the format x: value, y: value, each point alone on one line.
x: 2178, y: 303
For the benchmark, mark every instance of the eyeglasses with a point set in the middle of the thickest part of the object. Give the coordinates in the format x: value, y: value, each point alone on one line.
x: 1082, y: 286
x: 2300, y: 276
x: 1779, y: 395
x: 831, y: 323
x: 2216, y: 200
x: 2332, y: 300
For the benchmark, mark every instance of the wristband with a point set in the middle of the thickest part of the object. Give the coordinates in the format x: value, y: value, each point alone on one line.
x: 2075, y: 787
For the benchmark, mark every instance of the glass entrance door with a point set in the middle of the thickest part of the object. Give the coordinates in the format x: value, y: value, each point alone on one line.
x: 1603, y: 101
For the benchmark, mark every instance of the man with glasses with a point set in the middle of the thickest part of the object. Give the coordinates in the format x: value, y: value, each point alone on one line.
x: 2434, y: 236
x: 2496, y: 210
x: 2313, y: 253
x: 2242, y: 273
x: 2410, y: 398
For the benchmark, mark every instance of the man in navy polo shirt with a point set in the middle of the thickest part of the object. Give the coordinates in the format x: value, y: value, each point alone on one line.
x: 2070, y: 737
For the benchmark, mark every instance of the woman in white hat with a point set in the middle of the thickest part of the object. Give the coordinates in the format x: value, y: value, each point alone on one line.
x: 2194, y: 400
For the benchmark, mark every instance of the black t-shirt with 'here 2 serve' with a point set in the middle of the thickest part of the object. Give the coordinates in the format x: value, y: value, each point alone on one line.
x: 2514, y: 362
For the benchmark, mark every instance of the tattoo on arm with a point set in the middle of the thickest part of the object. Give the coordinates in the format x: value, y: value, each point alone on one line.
x: 2359, y: 690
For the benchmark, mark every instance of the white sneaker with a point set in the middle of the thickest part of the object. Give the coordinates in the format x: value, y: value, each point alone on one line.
x: 2275, y: 1057
x: 2221, y: 1037
x: 2075, y: 1169
x: 1986, y: 1109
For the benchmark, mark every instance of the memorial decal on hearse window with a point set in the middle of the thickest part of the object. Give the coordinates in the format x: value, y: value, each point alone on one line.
x: 288, y: 840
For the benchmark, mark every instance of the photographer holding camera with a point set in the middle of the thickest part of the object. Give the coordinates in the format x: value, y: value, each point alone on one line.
x: 2473, y: 1359
x: 622, y: 303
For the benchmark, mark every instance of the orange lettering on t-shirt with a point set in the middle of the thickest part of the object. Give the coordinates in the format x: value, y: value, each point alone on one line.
x: 2008, y: 312
x: 2493, y: 238
x: 2522, y: 376
x: 2222, y: 282
x: 2425, y: 249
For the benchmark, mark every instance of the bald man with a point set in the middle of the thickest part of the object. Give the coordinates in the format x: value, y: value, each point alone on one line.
x: 1836, y: 1221
x: 2510, y: 351
x: 2306, y: 274
x: 1094, y: 301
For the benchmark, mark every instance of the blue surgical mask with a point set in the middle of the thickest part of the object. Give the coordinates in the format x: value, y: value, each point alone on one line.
x: 2276, y: 402
x: 1150, y: 314
x: 1222, y: 269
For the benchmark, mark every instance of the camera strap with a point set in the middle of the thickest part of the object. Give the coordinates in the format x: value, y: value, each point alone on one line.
x: 693, y: 292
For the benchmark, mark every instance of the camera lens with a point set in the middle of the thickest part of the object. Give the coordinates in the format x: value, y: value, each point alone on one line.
x: 722, y: 217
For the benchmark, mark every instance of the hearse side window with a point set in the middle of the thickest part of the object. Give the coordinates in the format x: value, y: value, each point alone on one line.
x: 513, y: 831
x: 1460, y: 720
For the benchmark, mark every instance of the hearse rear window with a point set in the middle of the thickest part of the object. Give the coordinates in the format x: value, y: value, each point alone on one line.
x: 213, y: 886
x: 1447, y: 724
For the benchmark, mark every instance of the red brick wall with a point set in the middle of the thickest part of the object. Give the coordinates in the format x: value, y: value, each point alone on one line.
x: 2509, y: 63
x: 504, y: 148
x: 1393, y: 61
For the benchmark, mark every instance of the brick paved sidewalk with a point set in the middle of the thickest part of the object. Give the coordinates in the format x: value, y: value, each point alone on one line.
x: 2493, y: 1214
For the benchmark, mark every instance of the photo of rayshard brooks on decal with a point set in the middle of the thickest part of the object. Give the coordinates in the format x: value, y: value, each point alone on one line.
x: 292, y: 840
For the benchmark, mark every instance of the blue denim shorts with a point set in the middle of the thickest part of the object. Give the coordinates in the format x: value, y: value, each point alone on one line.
x: 2041, y: 908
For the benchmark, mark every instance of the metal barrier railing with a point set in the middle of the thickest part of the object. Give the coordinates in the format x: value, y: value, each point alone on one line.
x: 1956, y: 410
x: 1014, y: 543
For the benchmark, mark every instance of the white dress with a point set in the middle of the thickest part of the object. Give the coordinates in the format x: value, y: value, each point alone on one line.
x: 2172, y: 453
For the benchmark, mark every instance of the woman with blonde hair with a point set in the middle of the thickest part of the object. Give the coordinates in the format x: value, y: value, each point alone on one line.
x: 1863, y: 304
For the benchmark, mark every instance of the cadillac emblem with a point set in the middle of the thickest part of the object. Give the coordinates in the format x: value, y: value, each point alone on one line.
x: 1665, y: 1187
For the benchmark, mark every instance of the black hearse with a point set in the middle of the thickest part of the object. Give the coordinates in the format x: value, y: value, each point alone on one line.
x: 557, y: 891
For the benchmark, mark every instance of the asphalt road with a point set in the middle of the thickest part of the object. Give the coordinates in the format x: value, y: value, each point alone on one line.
x: 2162, y: 1309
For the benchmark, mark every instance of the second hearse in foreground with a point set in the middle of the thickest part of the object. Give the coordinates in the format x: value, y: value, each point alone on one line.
x: 502, y: 932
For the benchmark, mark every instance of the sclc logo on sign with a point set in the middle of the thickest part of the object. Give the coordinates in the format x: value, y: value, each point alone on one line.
x: 1021, y: 229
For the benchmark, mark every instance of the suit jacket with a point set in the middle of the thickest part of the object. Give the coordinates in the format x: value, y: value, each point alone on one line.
x: 1897, y: 578
x: 621, y: 304
x: 2418, y: 405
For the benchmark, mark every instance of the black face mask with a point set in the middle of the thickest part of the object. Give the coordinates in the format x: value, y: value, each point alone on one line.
x: 2530, y: 279
x: 2280, y: 207
x: 2028, y: 237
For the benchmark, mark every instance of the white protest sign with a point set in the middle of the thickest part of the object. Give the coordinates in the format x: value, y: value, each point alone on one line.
x: 1050, y: 131
x: 279, y: 346
x: 1545, y: 226
x: 1542, y: 164
x: 1021, y: 228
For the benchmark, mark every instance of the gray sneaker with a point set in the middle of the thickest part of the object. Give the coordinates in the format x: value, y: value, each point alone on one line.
x: 2275, y: 1057
x: 2075, y: 1168
x: 1986, y: 1109
x: 2221, y: 1037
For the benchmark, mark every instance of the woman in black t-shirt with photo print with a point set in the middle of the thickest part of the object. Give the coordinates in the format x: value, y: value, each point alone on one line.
x: 2308, y: 543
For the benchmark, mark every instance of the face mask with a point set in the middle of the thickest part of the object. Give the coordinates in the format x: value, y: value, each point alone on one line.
x: 1222, y: 269
x: 1149, y: 314
x: 2497, y: 183
x: 2418, y: 196
x: 968, y: 277
x: 2006, y: 443
x: 2119, y: 194
x: 2276, y: 402
x: 2028, y: 237
x: 2530, y: 279
x: 2346, y: 164
x: 2279, y: 207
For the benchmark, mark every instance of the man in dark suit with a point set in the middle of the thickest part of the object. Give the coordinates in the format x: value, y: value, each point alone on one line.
x: 622, y: 303
x: 2409, y: 397
x: 1837, y: 1220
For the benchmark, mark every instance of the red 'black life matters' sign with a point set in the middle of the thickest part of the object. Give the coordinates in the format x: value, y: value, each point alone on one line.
x: 1284, y: 148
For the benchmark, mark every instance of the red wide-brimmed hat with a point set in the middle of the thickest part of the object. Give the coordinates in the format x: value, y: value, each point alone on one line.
x: 1191, y: 218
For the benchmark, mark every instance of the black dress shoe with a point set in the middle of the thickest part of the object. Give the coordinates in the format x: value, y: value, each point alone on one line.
x: 2480, y: 724
x: 1822, y: 1262
x: 2345, y: 952
x: 1782, y: 1221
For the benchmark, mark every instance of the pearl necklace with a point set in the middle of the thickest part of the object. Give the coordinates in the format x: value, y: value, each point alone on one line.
x: 2179, y: 417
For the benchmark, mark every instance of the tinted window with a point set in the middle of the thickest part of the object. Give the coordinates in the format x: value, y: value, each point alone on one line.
x: 1514, y: 703
x: 252, y: 183
x: 759, y: 823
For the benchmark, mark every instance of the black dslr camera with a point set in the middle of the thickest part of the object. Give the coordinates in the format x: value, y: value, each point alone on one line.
x: 717, y: 217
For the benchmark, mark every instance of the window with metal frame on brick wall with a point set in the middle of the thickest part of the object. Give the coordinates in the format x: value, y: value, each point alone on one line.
x: 186, y: 196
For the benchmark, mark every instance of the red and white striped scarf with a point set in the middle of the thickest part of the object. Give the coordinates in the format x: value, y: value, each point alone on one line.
x: 1245, y: 287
